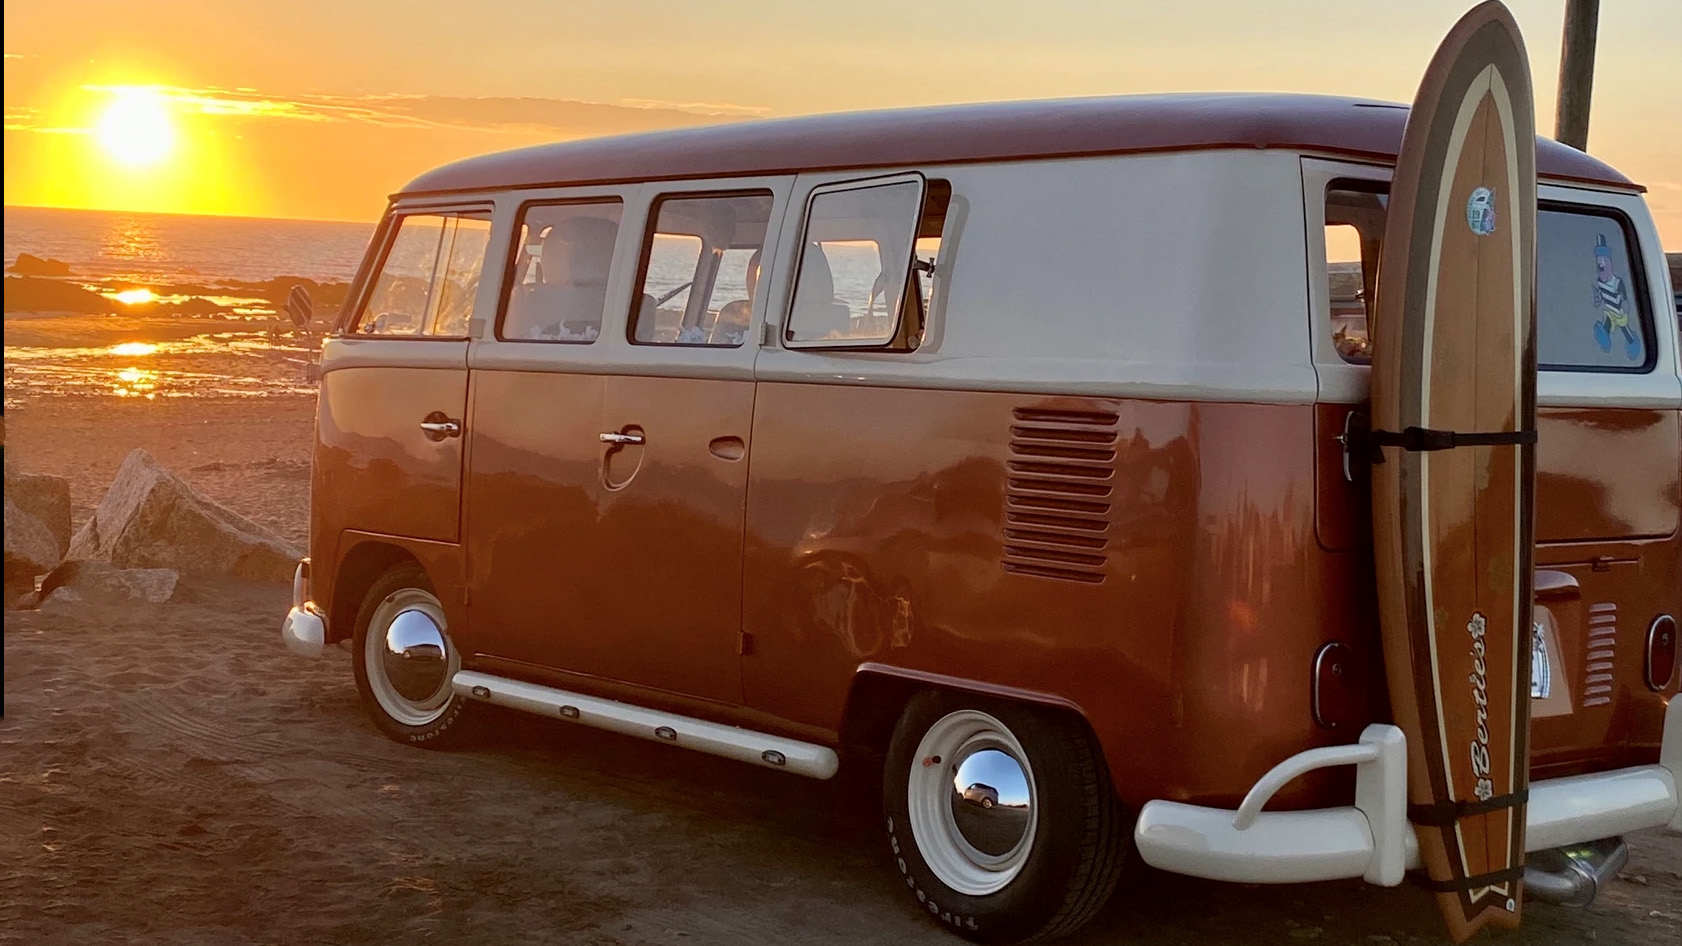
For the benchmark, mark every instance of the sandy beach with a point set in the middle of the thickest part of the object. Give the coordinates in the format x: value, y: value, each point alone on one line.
x: 169, y: 774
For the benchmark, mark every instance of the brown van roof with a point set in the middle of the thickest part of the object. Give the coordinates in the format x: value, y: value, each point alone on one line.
x: 968, y: 133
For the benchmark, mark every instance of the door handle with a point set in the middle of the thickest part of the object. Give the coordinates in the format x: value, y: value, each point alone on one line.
x: 618, y: 439
x: 440, y: 429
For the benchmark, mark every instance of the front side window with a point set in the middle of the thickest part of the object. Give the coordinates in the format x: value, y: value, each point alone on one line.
x: 700, y: 270
x: 561, y: 263
x: 855, y: 264
x: 429, y: 276
x: 1589, y: 310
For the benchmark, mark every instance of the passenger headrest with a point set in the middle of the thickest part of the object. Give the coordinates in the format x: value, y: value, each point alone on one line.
x: 817, y: 283
x: 753, y: 274
x: 578, y: 251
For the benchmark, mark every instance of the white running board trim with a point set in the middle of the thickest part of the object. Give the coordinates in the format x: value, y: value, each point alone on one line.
x: 731, y: 742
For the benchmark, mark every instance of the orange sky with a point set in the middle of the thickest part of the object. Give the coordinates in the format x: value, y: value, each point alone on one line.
x: 319, y: 109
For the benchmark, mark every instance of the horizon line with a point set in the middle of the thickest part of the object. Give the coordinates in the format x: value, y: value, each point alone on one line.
x: 181, y: 213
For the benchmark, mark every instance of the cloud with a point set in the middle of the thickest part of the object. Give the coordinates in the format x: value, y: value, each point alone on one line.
x: 558, y: 118
x: 23, y: 118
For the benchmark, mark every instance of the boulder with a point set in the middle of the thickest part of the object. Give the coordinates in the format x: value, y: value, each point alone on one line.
x: 196, y: 306
x: 47, y: 498
x: 60, y: 601
x: 104, y: 582
x: 29, y: 264
x: 31, y: 550
x: 32, y: 294
x: 151, y: 519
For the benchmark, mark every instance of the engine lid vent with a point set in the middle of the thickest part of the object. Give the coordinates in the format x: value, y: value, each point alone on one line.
x: 1057, y: 500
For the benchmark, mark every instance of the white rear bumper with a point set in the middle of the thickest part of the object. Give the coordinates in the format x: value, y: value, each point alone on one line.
x: 1373, y: 839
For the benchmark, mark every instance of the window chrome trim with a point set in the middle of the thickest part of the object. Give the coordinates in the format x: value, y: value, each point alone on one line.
x: 836, y: 187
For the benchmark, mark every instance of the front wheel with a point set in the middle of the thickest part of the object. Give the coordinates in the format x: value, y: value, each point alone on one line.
x: 405, y: 662
x: 1001, y: 817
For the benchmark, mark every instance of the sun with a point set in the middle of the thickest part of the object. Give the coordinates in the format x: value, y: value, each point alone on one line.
x: 136, y: 128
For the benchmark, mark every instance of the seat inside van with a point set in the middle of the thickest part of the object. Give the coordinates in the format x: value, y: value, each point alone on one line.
x: 567, y: 299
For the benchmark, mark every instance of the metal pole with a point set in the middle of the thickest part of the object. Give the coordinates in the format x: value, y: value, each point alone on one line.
x: 1576, y: 72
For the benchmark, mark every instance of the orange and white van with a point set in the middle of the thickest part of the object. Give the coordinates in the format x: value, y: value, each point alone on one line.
x: 1005, y: 445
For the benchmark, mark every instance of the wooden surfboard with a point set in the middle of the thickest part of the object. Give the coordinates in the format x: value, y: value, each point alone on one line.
x: 1454, y: 408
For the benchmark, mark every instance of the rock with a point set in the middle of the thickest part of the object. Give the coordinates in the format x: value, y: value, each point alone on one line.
x: 31, y: 550
x: 47, y: 498
x: 61, y: 599
x: 198, y: 305
x: 30, y: 265
x: 30, y: 294
x: 151, y: 519
x: 102, y: 581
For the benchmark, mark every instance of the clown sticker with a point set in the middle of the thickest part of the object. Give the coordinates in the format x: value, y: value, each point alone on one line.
x: 1613, y: 304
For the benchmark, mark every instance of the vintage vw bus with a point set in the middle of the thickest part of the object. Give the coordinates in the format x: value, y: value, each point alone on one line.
x: 1005, y: 444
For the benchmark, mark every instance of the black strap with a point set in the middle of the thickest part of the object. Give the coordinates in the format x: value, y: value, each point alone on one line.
x: 1476, y: 880
x: 1425, y: 439
x: 1444, y: 813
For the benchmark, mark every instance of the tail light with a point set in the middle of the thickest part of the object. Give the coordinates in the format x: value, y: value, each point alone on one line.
x: 1661, y: 652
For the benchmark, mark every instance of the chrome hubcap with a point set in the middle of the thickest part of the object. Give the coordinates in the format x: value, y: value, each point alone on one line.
x: 991, y: 804
x: 971, y: 802
x: 414, y: 655
x: 409, y: 659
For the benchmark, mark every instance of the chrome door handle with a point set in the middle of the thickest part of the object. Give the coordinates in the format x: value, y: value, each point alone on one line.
x: 621, y: 439
x: 442, y: 428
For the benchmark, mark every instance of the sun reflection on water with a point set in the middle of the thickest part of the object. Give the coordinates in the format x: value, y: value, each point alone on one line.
x: 135, y: 296
x: 131, y: 349
x: 136, y: 382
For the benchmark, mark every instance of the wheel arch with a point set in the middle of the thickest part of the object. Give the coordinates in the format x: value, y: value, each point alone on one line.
x: 358, y: 569
x: 879, y: 693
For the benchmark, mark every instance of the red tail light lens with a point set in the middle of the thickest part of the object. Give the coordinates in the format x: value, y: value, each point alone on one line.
x: 1661, y: 652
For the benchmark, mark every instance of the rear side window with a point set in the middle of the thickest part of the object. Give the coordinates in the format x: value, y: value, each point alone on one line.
x: 866, y: 264
x: 700, y: 270
x: 558, y: 288
x: 1589, y: 314
x: 428, y: 277
x: 1590, y: 309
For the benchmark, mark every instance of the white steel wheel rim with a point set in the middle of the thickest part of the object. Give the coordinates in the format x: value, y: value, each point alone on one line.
x: 946, y: 850
x: 402, y: 709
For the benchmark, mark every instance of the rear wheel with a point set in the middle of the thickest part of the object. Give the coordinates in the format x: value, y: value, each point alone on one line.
x: 1001, y: 817
x: 404, y: 660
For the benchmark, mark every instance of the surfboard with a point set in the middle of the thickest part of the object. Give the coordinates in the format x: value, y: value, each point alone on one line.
x: 1453, y: 416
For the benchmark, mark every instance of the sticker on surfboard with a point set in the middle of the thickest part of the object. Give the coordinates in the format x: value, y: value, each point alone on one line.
x: 1480, y: 211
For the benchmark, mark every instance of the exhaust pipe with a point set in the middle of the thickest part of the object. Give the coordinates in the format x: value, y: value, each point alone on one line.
x: 1571, y: 876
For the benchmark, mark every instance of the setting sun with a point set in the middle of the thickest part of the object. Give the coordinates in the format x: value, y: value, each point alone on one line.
x: 136, y: 128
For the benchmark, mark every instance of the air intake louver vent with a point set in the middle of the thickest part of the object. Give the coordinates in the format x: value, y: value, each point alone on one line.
x: 1057, y: 506
x: 1602, y: 650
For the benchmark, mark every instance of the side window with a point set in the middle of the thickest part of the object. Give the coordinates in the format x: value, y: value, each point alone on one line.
x: 1588, y: 301
x: 558, y: 288
x: 429, y: 277
x: 1354, y: 233
x: 700, y: 270
x: 1590, y: 314
x: 867, y: 255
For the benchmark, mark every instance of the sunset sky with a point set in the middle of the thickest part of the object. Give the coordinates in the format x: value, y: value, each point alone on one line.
x: 319, y: 109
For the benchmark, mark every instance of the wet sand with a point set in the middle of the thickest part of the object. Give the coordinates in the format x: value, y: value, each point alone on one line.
x: 169, y: 774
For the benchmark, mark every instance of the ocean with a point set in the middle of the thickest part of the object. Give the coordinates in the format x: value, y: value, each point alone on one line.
x: 146, y: 247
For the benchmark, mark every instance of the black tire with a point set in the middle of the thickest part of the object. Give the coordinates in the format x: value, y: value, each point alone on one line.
x: 1079, y: 838
x: 453, y: 723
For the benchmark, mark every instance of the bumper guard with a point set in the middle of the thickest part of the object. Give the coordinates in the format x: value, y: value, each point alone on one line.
x: 305, y: 627
x: 1372, y: 839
